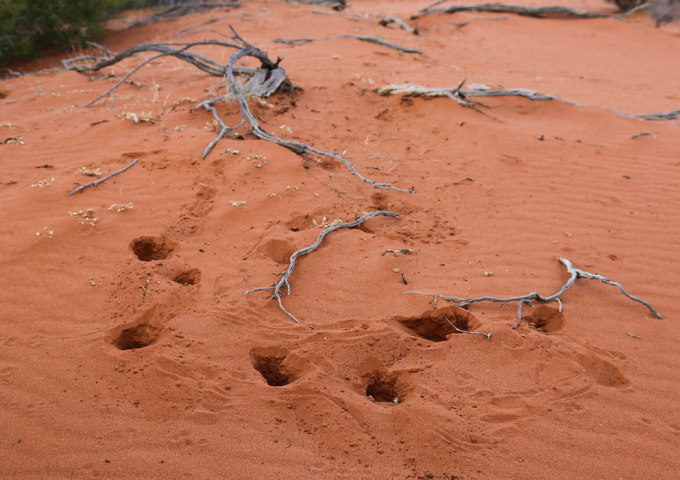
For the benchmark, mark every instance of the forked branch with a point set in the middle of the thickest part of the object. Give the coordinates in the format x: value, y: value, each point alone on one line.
x: 574, y: 273
x: 304, y: 251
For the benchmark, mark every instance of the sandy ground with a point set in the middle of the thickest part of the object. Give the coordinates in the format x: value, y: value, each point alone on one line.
x: 127, y: 347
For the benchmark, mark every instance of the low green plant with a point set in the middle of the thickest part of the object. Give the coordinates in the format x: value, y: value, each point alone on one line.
x: 28, y: 27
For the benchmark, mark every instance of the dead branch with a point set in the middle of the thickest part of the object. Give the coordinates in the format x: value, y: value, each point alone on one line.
x: 203, y: 63
x: 304, y: 251
x: 262, y: 82
x: 429, y: 7
x: 181, y: 10
x: 97, y: 182
x: 385, y: 21
x: 334, y: 4
x: 650, y: 117
x: 363, y: 38
x: 540, y: 12
x: 297, y: 147
x: 574, y: 273
x: 462, y: 96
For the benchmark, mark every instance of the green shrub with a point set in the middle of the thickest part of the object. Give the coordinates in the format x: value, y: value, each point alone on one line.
x: 28, y: 27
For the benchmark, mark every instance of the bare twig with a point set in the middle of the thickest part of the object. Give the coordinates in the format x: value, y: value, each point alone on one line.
x: 96, y: 182
x: 297, y: 147
x: 363, y: 38
x: 574, y: 273
x: 540, y: 12
x: 304, y: 251
x: 487, y: 335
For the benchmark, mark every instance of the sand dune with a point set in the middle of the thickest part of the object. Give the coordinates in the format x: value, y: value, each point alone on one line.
x: 127, y: 347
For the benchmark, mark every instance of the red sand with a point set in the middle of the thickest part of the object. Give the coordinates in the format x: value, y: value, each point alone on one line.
x: 117, y: 368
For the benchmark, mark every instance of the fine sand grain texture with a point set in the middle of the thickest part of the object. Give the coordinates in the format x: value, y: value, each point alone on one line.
x: 127, y: 346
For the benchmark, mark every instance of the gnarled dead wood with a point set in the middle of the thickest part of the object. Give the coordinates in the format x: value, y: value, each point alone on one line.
x: 574, y: 273
x: 363, y: 38
x: 535, y: 12
x: 304, y: 251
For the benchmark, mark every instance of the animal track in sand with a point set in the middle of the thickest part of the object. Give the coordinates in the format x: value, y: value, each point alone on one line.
x: 545, y: 319
x: 187, y: 277
x: 203, y: 204
x: 386, y: 387
x: 277, y: 366
x: 279, y: 250
x: 142, y: 333
x: 381, y: 384
x: 432, y: 325
x: 153, y: 248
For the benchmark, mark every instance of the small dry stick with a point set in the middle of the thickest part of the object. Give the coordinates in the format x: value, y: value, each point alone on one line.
x: 575, y: 274
x: 363, y: 38
x: 96, y: 182
x: 487, y: 335
x: 304, y: 251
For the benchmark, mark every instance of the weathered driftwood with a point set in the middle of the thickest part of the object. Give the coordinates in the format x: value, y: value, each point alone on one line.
x: 97, y: 182
x: 574, y: 273
x: 462, y: 96
x: 363, y: 38
x: 535, y: 12
x: 304, y: 251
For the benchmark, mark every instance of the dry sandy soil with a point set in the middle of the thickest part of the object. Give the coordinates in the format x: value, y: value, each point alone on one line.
x: 127, y: 346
